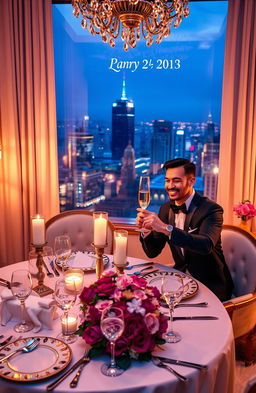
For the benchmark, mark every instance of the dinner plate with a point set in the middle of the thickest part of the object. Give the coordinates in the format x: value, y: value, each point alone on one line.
x: 85, y: 260
x: 191, y: 286
x: 49, y: 358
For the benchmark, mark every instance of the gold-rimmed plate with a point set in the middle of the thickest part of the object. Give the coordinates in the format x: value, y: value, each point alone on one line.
x: 190, y: 284
x: 49, y: 358
x: 84, y: 260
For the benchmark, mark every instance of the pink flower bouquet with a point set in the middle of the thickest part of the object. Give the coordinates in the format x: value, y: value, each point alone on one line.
x: 245, y: 210
x: 144, y: 324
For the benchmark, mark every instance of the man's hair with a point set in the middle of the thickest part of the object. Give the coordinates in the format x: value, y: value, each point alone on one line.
x: 189, y: 167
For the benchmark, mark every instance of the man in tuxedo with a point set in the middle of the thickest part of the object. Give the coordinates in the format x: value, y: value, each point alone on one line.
x: 191, y: 224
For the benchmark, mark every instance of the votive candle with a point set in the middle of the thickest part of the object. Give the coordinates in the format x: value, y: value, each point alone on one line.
x: 69, y: 324
x: 74, y: 279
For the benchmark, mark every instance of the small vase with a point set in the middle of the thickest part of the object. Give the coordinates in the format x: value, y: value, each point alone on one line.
x: 245, y: 225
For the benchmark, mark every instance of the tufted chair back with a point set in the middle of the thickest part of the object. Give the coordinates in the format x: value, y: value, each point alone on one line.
x: 78, y: 224
x: 239, y: 248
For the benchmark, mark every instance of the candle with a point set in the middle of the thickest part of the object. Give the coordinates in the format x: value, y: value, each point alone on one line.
x: 68, y: 324
x: 100, y: 230
x: 120, y: 249
x: 38, y: 230
x: 74, y: 279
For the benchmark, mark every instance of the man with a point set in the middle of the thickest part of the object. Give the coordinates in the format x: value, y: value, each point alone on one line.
x: 191, y: 224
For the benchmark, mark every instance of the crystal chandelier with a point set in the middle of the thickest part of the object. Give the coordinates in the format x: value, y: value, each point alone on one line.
x: 134, y: 18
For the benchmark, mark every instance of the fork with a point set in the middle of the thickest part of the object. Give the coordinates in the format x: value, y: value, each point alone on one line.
x: 139, y: 264
x: 30, y: 345
x: 49, y: 274
x: 138, y: 272
x: 157, y: 362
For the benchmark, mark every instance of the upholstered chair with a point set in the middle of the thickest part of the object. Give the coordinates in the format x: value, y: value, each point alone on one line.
x: 239, y: 247
x: 78, y: 224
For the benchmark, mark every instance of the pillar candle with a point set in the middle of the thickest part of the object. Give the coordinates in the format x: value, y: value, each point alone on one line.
x: 68, y: 324
x: 38, y: 231
x: 100, y: 231
x: 120, y: 250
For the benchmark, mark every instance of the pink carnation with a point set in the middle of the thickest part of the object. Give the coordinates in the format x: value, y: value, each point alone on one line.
x: 152, y: 323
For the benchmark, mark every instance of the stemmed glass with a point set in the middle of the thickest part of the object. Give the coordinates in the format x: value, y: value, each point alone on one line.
x: 65, y: 299
x: 112, y: 326
x: 62, y: 250
x: 144, y: 195
x: 21, y: 287
x: 172, y: 289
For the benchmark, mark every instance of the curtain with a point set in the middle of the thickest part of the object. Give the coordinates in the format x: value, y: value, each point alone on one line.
x: 237, y: 164
x: 28, y: 161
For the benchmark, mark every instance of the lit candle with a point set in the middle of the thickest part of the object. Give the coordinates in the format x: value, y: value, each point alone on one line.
x: 120, y: 249
x: 74, y: 280
x: 68, y: 324
x: 38, y: 230
x: 100, y: 231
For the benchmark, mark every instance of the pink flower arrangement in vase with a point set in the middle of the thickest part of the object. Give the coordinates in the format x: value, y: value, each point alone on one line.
x: 144, y: 323
x: 245, y: 210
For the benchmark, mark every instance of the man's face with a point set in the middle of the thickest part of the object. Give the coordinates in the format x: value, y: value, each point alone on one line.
x: 178, y: 185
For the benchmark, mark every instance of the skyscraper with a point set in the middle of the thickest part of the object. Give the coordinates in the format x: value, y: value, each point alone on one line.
x: 161, y: 144
x: 122, y: 125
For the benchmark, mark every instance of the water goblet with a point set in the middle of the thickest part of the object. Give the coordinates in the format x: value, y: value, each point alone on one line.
x: 21, y: 287
x: 65, y: 299
x: 112, y: 326
x: 62, y: 250
x: 172, y: 289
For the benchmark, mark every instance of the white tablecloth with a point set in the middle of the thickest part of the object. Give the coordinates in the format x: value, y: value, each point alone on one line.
x: 208, y: 342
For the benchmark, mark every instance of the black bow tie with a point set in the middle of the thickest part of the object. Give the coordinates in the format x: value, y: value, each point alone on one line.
x: 177, y: 208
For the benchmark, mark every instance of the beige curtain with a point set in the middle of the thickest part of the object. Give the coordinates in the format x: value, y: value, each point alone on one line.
x: 28, y: 163
x: 238, y: 124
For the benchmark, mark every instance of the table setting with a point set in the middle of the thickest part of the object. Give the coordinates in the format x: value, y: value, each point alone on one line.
x: 101, y: 325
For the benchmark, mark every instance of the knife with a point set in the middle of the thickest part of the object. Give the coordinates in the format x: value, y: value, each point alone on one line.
x: 54, y: 269
x: 195, y: 318
x: 83, y: 359
x: 74, y: 382
x: 182, y: 363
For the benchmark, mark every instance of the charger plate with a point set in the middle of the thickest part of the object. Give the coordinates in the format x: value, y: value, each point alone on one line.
x: 49, y: 358
x: 85, y: 262
x: 190, y: 284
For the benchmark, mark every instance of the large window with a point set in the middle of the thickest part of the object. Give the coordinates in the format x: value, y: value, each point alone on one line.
x: 123, y: 114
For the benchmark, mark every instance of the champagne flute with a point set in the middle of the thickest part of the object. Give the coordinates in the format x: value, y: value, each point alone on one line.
x: 112, y: 326
x: 172, y: 289
x: 144, y: 195
x: 65, y: 299
x: 21, y: 287
x: 62, y: 250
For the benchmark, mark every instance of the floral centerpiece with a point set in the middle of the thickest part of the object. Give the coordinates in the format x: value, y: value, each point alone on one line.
x: 144, y: 324
x: 245, y: 210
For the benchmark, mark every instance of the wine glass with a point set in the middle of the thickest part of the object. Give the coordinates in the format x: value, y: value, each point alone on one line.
x: 62, y: 250
x: 172, y: 289
x: 21, y: 287
x: 112, y: 326
x: 65, y: 299
x: 144, y: 195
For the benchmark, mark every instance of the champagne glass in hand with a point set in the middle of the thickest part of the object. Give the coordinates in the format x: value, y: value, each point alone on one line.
x: 112, y: 326
x: 21, y: 287
x: 144, y: 195
x: 172, y: 289
x: 62, y: 250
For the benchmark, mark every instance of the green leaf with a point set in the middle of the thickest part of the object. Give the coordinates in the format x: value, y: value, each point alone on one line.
x: 160, y: 341
x: 94, y: 352
x: 144, y: 357
x: 123, y: 361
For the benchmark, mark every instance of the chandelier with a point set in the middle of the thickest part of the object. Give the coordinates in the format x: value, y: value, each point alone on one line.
x: 135, y: 19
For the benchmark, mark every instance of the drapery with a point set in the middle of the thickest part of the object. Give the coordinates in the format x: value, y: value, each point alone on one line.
x: 28, y: 137
x: 237, y: 164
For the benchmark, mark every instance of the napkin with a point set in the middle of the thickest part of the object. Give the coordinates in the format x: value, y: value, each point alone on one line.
x: 82, y: 260
x: 41, y: 312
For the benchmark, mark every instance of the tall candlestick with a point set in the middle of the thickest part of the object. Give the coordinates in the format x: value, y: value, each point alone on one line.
x: 38, y: 230
x: 100, y: 228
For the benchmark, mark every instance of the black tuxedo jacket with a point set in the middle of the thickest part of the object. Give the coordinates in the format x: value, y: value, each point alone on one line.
x: 203, y: 256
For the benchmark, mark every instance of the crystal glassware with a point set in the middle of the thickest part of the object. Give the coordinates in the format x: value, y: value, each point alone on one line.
x: 172, y: 289
x: 21, y: 287
x: 144, y: 195
x: 65, y: 299
x: 62, y: 250
x: 112, y: 326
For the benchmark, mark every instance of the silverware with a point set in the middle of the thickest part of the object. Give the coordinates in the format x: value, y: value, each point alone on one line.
x: 53, y: 385
x: 182, y: 363
x: 160, y: 364
x: 30, y: 345
x: 195, y: 318
x: 55, y: 271
x: 49, y: 274
x: 138, y: 265
x: 74, y: 382
x: 202, y: 304
x: 139, y: 272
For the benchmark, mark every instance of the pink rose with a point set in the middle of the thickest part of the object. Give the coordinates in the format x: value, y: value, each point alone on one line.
x: 132, y: 325
x: 105, y: 286
x: 143, y: 342
x: 103, y: 304
x: 149, y: 306
x: 92, y: 334
x: 163, y: 325
x: 123, y: 281
x: 120, y: 347
x: 138, y: 282
x: 152, y: 323
x: 117, y: 294
x: 138, y: 294
x: 93, y: 315
x: 87, y: 295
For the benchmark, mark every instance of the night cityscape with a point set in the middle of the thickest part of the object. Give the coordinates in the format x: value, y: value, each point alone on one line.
x: 104, y: 147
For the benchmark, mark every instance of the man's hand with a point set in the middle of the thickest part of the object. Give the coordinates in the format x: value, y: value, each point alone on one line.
x: 151, y: 221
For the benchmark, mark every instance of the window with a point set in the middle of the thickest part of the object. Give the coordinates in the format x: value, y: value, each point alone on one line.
x: 123, y: 114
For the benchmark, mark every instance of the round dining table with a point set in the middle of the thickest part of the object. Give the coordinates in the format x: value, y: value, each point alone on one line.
x: 206, y: 342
